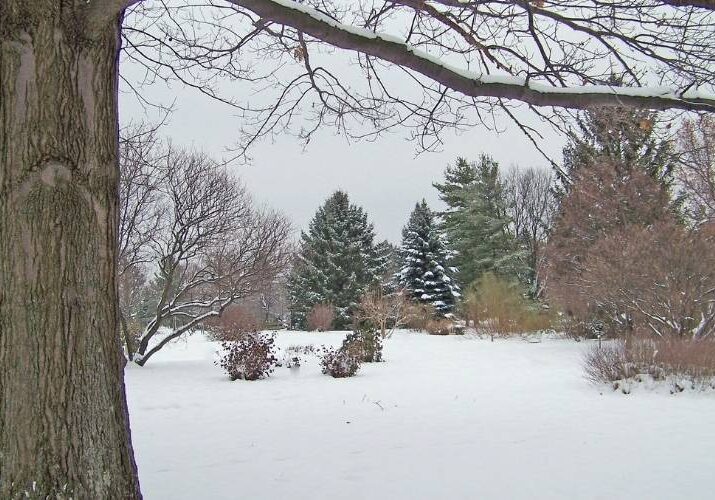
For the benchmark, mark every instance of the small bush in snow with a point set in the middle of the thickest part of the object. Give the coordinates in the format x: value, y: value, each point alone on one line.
x: 418, y: 316
x: 439, y: 326
x: 500, y: 308
x: 340, y: 363
x: 685, y: 363
x: 321, y: 317
x: 249, y: 358
x: 366, y: 343
x: 295, y: 355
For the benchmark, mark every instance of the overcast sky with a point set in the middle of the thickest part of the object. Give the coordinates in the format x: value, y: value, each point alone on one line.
x: 385, y: 177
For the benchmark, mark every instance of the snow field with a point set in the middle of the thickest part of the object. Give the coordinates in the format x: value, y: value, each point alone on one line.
x: 444, y: 417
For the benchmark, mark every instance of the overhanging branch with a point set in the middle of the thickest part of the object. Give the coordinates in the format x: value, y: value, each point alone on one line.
x: 392, y: 49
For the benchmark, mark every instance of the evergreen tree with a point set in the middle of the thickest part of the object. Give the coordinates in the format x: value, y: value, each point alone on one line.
x: 477, y: 222
x: 336, y: 262
x: 623, y: 137
x: 425, y: 273
x: 388, y: 260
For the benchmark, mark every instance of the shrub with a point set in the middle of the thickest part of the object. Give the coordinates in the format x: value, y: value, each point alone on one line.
x: 342, y: 362
x: 366, y: 343
x: 233, y: 323
x: 683, y: 362
x: 249, y: 358
x: 439, y: 326
x: 295, y: 355
x: 321, y: 317
x: 500, y: 307
x: 418, y: 316
x: 386, y: 311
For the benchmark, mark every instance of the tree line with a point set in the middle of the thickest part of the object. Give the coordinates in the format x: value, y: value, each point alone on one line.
x: 616, y: 239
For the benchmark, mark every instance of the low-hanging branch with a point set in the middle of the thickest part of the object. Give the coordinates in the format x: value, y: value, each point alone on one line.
x: 394, y: 50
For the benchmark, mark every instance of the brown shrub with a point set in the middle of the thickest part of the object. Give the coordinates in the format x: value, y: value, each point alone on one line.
x: 418, y: 316
x: 684, y: 362
x: 658, y: 280
x: 321, y: 317
x: 235, y: 320
x: 439, y: 326
x: 386, y: 311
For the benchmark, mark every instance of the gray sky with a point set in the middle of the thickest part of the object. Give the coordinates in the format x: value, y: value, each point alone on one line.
x: 385, y: 177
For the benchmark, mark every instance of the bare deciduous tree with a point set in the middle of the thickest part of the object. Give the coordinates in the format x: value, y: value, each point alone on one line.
x: 211, y: 246
x: 531, y: 208
x: 696, y: 169
x: 59, y: 152
x: 387, y: 311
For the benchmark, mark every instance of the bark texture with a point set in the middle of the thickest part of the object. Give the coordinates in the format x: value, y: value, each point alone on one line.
x: 64, y: 429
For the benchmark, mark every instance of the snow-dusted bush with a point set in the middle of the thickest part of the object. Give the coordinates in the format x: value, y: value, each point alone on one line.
x: 340, y: 363
x: 683, y: 363
x: 366, y: 343
x: 321, y: 317
x: 249, y: 358
x: 294, y: 355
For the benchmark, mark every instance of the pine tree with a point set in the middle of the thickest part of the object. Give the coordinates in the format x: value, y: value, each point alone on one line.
x: 476, y: 221
x: 336, y: 262
x: 425, y: 273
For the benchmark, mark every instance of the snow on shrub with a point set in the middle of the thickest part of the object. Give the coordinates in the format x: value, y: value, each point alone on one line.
x: 250, y: 357
x: 342, y: 362
x: 683, y: 363
x: 294, y: 355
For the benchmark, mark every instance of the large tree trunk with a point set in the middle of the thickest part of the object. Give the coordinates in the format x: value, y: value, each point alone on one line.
x: 64, y: 429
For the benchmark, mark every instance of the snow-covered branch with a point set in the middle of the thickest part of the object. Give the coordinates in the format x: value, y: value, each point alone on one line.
x: 521, y: 88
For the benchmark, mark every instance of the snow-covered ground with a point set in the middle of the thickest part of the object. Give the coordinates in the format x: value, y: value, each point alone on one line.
x: 444, y: 418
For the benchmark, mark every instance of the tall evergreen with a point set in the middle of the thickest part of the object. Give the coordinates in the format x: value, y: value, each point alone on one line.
x: 623, y: 137
x: 336, y: 262
x: 425, y: 273
x: 476, y: 220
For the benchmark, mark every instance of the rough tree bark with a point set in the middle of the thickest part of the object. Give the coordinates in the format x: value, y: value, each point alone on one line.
x: 64, y: 429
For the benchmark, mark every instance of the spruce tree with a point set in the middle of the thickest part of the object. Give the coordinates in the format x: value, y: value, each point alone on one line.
x: 336, y: 262
x: 476, y: 220
x: 425, y: 273
x: 625, y: 138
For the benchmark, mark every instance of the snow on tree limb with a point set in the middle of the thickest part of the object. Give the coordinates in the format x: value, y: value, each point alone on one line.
x: 394, y: 50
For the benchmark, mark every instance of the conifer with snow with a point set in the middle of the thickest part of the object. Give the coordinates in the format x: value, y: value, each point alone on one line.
x: 336, y: 262
x: 477, y: 223
x: 426, y: 274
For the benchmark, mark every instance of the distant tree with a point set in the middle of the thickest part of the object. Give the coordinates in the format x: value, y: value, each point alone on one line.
x: 696, y: 168
x: 336, y: 262
x: 531, y: 205
x: 477, y: 221
x: 426, y: 274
